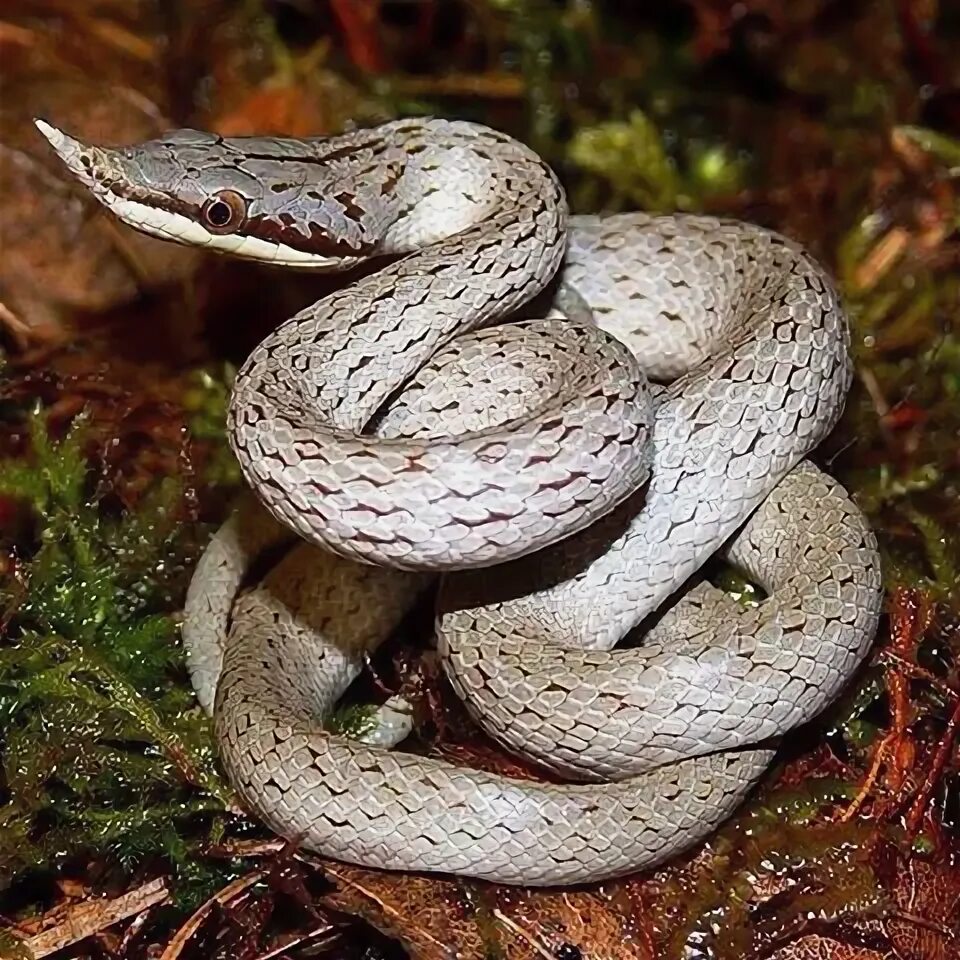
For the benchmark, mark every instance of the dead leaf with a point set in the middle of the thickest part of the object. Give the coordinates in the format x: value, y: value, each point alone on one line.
x: 442, y: 919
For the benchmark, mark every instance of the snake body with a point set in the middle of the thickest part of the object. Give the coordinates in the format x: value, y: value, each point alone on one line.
x: 428, y: 419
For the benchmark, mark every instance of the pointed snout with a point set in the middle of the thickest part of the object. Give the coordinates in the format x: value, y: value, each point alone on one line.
x: 95, y: 167
x: 78, y: 157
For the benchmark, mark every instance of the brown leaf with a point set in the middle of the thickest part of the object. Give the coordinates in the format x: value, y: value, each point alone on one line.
x: 63, y: 254
x: 442, y: 919
x: 825, y: 947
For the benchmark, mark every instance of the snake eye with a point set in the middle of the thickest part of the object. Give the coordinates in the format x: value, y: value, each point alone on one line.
x: 224, y: 212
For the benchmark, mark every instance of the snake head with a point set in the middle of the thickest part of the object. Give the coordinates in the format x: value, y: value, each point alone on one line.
x: 295, y: 203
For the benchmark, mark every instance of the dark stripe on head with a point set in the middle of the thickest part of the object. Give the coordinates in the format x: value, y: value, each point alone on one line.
x: 317, y: 241
x: 154, y: 198
x: 341, y: 153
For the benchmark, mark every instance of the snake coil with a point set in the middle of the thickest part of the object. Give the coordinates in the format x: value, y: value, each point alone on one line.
x: 565, y: 473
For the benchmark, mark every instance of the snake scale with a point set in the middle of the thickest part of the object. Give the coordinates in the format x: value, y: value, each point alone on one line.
x: 568, y: 471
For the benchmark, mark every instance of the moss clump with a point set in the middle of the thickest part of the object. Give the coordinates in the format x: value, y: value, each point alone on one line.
x: 104, y: 752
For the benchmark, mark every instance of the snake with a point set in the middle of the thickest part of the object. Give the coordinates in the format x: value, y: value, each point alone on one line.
x: 551, y: 424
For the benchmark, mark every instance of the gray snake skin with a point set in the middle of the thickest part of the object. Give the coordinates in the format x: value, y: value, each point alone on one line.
x: 430, y: 418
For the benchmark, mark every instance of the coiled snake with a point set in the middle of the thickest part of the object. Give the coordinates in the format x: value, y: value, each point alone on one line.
x: 404, y: 427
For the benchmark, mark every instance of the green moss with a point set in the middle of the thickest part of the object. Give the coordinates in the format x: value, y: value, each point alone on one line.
x: 104, y: 751
x: 632, y: 157
x: 353, y: 720
x: 205, y: 403
x: 731, y: 580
